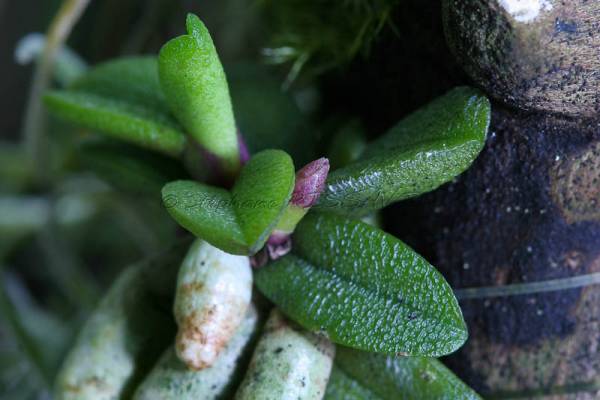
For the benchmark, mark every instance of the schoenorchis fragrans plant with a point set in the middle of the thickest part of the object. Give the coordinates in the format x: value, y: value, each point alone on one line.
x: 351, y: 312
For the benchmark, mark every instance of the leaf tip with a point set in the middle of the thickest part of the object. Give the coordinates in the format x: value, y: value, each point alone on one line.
x: 194, y: 26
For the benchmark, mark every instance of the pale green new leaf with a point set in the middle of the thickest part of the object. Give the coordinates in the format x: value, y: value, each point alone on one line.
x: 195, y: 86
x: 207, y: 212
x: 241, y: 221
x: 261, y: 194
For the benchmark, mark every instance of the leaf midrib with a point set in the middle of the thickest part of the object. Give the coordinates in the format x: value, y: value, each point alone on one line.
x: 386, y: 296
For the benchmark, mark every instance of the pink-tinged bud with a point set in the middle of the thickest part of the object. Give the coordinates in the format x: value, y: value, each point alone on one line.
x: 310, y: 182
x: 279, y: 244
x: 280, y: 249
x: 243, y: 148
x: 278, y: 237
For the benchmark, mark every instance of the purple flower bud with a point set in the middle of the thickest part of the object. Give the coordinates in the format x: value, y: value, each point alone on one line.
x: 278, y: 237
x: 310, y: 182
x: 280, y: 249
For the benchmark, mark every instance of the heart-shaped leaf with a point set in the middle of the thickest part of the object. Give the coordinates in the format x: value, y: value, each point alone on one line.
x: 207, y: 212
x: 365, y: 289
x: 378, y: 376
x: 425, y: 150
x: 129, y: 168
x: 241, y: 221
x: 261, y: 194
x: 194, y: 83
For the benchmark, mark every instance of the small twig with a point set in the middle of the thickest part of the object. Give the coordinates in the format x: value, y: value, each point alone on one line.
x: 34, y: 124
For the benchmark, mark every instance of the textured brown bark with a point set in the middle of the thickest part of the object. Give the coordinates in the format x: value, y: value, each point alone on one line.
x: 527, y: 211
x: 535, y: 55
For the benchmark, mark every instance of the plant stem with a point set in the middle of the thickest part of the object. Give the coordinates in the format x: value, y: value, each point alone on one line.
x: 34, y: 123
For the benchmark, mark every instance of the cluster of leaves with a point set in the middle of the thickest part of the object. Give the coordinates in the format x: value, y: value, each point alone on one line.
x: 361, y: 286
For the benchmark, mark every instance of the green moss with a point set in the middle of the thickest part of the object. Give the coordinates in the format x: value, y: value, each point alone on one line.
x: 318, y: 35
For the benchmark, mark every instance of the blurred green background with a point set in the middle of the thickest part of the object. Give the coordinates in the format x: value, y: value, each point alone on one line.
x: 304, y: 76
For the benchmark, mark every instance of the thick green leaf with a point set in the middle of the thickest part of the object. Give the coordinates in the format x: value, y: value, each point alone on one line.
x: 240, y: 222
x: 365, y: 289
x: 131, y: 79
x: 342, y: 387
x: 122, y: 98
x: 397, y: 378
x: 261, y: 194
x: 128, y: 168
x: 194, y: 83
x: 207, y: 212
x: 425, y: 150
x: 134, y: 123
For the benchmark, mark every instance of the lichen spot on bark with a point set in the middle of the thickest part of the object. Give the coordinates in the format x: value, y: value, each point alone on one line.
x: 576, y: 185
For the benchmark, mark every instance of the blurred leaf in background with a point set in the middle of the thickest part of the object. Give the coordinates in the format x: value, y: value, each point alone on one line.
x: 63, y: 242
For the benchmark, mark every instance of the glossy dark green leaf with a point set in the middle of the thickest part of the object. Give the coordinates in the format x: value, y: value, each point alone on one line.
x: 128, y: 168
x: 207, y: 212
x: 134, y: 123
x: 194, y: 83
x: 423, y: 151
x: 394, y: 378
x: 365, y: 289
x: 261, y: 194
x: 131, y: 79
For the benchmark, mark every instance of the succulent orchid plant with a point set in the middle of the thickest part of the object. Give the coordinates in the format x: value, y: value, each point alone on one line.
x: 356, y: 313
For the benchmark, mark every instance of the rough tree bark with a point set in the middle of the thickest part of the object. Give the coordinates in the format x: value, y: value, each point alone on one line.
x: 529, y: 209
x: 526, y: 212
